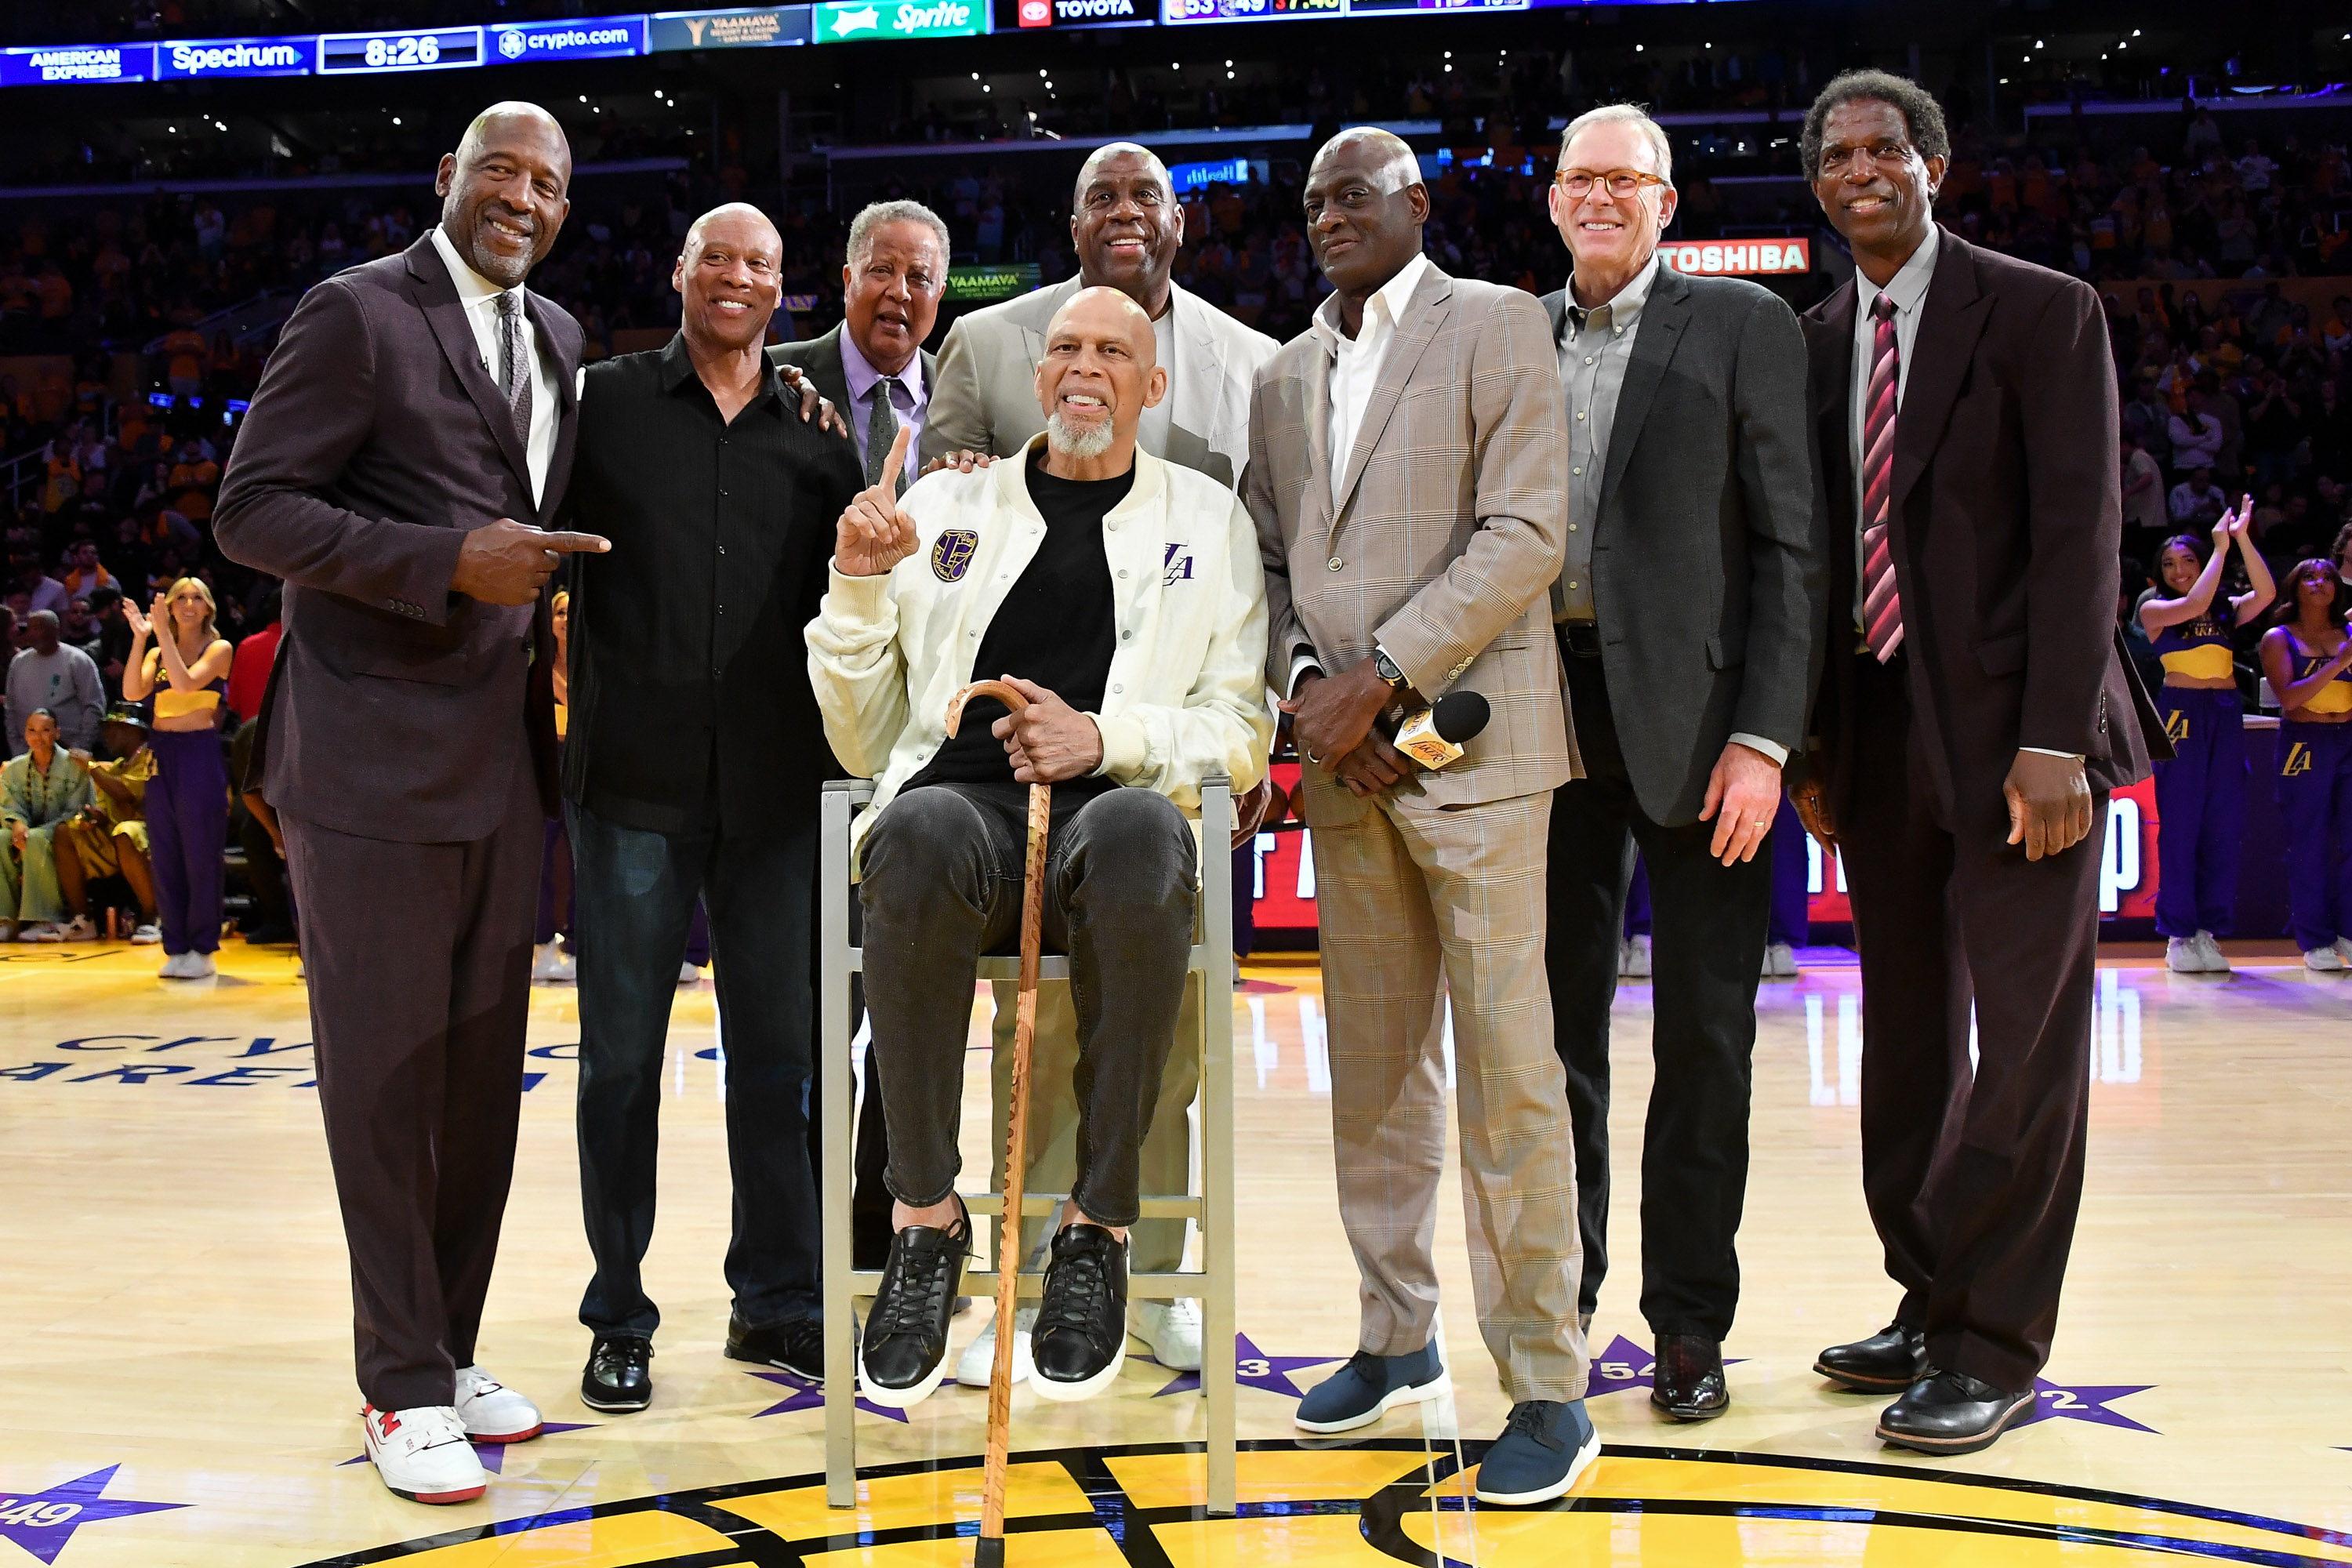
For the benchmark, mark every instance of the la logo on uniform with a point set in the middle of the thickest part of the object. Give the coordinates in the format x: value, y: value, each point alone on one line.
x: 2298, y: 760
x: 2176, y: 727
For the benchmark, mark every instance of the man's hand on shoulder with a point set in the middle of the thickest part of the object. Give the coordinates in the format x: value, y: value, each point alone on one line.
x: 961, y: 462
x: 1049, y: 740
x: 872, y: 535
x: 2049, y: 803
x: 813, y: 403
x: 507, y: 563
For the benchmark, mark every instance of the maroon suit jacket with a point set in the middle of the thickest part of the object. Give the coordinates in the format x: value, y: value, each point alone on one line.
x: 397, y: 711
x: 2007, y: 524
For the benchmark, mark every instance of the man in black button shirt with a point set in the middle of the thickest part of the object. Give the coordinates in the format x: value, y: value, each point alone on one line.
x: 697, y: 458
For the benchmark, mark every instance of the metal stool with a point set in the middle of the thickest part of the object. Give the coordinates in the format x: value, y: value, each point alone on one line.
x: 1212, y: 958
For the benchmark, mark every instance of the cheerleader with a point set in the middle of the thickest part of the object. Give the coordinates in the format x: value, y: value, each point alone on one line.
x: 2201, y: 794
x: 2308, y: 660
x: 187, y: 800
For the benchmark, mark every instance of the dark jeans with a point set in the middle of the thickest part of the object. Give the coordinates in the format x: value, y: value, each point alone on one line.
x: 1707, y: 922
x: 943, y: 886
x: 633, y: 895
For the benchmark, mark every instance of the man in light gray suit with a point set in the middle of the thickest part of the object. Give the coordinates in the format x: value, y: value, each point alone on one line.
x: 1688, y: 610
x: 1125, y: 226
x: 1408, y: 483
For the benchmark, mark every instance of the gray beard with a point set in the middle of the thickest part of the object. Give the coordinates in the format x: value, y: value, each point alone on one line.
x: 1070, y: 442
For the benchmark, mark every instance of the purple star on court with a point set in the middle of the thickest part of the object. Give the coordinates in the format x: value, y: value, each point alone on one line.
x: 42, y: 1523
x: 807, y: 1396
x: 1624, y: 1365
x: 1253, y: 1368
x: 494, y: 1454
x: 2083, y: 1401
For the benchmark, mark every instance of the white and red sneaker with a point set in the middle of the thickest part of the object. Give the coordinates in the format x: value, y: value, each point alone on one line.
x: 420, y: 1454
x: 491, y: 1412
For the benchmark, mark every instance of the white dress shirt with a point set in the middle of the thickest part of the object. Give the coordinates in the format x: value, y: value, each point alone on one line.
x: 1355, y: 370
x: 1356, y: 362
x: 480, y: 298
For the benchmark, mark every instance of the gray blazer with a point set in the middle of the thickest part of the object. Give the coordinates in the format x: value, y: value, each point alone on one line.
x: 397, y: 709
x: 984, y: 397
x: 1448, y: 533
x: 820, y: 358
x: 1709, y: 576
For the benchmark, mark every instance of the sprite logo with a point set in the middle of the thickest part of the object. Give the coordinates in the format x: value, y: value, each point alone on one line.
x: 839, y: 22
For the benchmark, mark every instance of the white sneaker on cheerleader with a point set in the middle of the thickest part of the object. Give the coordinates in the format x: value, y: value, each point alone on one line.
x: 491, y: 1412
x: 2323, y: 959
x: 200, y: 967
x: 420, y: 1454
x: 1172, y: 1330
x: 550, y: 964
x: 2216, y: 960
x: 2182, y: 955
x: 977, y: 1362
x: 687, y: 974
x: 1635, y: 963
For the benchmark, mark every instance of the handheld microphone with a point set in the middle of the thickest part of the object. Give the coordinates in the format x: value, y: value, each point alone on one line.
x: 1435, y: 736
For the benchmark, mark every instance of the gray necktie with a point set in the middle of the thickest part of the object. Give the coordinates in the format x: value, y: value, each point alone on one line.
x: 514, y: 363
x: 881, y: 429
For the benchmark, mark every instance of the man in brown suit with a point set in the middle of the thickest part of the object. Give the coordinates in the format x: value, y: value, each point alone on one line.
x: 418, y: 414
x: 1408, y: 483
x: 1974, y: 715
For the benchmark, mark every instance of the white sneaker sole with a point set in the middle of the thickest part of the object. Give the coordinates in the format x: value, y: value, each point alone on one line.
x: 986, y: 1367
x: 474, y: 1436
x: 1071, y: 1393
x: 905, y: 1398
x: 434, y: 1499
x: 1439, y: 1387
x: 1576, y: 1469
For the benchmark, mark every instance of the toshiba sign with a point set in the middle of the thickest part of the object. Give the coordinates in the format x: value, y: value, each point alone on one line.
x: 1739, y: 257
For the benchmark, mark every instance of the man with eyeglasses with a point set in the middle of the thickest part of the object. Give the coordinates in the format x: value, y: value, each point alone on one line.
x: 1976, y: 712
x: 1688, y: 611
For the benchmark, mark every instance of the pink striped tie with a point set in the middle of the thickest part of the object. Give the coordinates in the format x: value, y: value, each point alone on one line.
x: 1882, y: 607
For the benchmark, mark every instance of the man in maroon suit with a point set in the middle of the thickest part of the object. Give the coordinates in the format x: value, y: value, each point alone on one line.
x: 414, y: 423
x: 1975, y: 712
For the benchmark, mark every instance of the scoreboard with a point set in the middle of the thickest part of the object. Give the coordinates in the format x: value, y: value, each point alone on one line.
x: 438, y: 49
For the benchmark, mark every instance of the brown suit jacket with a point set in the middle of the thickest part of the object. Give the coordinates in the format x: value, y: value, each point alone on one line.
x: 1451, y: 529
x: 397, y: 709
x: 2007, y: 522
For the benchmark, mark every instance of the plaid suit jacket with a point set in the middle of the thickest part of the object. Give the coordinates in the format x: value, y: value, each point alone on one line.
x: 1449, y: 531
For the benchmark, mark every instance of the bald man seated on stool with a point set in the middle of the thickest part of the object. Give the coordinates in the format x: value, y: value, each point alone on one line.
x: 1122, y: 595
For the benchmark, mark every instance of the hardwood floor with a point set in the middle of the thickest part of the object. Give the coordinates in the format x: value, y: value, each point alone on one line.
x: 175, y: 1385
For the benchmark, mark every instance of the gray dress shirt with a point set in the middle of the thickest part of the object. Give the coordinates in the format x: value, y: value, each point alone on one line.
x: 1595, y: 347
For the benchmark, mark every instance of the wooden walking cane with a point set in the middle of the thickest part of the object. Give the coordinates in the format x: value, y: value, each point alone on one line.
x: 990, y: 1550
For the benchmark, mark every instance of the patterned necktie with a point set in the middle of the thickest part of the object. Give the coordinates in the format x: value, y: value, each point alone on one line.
x: 1882, y: 607
x: 514, y: 365
x: 881, y: 429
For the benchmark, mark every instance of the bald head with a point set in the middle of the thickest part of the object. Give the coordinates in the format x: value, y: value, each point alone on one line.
x: 1365, y: 208
x: 1100, y: 371
x: 504, y: 191
x: 729, y: 277
x: 1125, y: 224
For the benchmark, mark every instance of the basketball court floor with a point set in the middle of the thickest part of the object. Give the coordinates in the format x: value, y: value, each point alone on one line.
x: 175, y: 1386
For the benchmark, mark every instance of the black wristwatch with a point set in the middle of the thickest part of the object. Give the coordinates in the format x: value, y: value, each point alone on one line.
x: 1385, y: 667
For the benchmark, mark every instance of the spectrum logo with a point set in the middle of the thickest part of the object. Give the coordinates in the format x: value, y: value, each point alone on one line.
x: 235, y: 59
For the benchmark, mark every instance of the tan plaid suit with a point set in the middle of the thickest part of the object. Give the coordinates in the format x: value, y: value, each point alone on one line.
x: 1443, y: 549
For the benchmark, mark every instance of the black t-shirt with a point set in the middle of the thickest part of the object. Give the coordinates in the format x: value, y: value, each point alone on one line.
x: 1057, y: 627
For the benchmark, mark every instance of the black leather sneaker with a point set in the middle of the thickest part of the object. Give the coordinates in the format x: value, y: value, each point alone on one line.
x: 618, y: 1379
x: 1080, y: 1340
x: 903, y: 1353
x: 796, y: 1345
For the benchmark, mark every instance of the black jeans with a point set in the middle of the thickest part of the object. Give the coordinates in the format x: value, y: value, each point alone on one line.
x: 1708, y: 927
x: 943, y: 886
x: 634, y: 896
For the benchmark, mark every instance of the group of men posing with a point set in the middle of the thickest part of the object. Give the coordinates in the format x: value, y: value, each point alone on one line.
x: 1691, y: 550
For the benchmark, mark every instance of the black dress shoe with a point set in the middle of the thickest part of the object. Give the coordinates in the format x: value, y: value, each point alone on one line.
x: 903, y: 1353
x: 1951, y: 1412
x: 1888, y: 1361
x: 618, y: 1379
x: 797, y: 1346
x: 1080, y: 1338
x: 1687, y: 1382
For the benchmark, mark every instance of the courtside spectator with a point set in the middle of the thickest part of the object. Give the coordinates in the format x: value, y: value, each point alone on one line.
x: 40, y: 788
x: 248, y: 673
x: 49, y: 676
x: 108, y: 837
